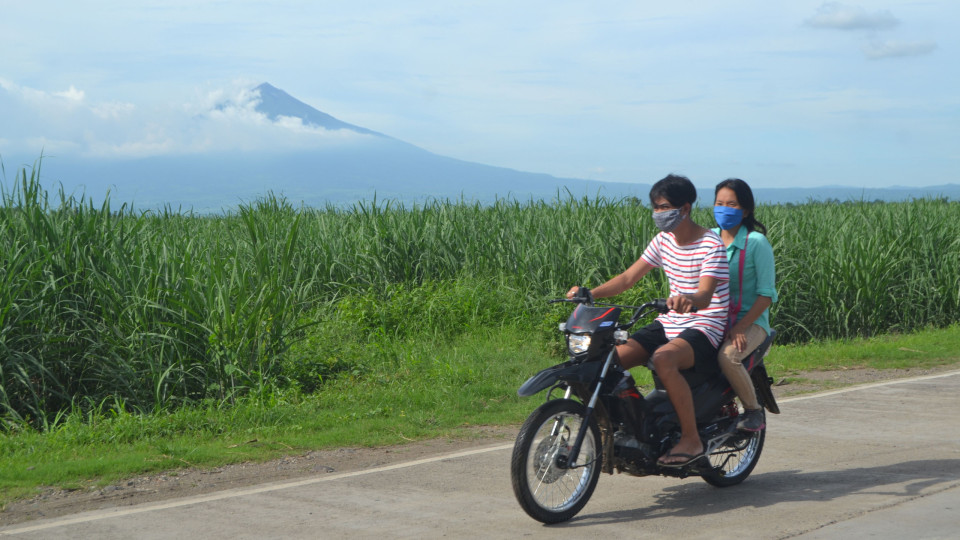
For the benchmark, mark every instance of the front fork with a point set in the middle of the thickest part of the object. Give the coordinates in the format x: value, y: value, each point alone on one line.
x: 588, y: 414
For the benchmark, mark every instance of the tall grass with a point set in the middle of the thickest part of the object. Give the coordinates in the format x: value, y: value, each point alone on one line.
x: 152, y: 310
x: 537, y: 245
x: 859, y: 269
x: 146, y: 311
x: 847, y: 269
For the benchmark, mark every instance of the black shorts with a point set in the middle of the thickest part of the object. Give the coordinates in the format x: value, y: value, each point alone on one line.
x: 652, y: 336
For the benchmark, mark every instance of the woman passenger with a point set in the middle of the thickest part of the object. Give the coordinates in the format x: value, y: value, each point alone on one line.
x: 752, y: 288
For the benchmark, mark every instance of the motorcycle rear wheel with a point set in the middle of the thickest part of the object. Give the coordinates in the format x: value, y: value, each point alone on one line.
x: 733, y: 462
x: 548, y: 491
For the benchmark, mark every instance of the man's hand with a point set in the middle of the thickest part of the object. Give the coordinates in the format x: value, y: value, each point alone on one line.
x: 682, y: 303
x: 582, y: 292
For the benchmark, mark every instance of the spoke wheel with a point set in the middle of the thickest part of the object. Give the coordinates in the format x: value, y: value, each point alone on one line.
x: 733, y: 462
x: 546, y: 488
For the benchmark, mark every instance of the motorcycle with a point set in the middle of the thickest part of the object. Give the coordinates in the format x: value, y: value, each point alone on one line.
x: 603, y: 424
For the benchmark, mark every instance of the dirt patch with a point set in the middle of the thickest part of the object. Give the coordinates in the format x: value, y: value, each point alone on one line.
x: 54, y: 502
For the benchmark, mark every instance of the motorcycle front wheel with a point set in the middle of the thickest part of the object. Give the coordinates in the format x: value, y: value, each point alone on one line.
x: 546, y: 487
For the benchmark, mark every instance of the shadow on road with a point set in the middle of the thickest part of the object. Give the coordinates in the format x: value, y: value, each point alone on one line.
x: 690, y: 499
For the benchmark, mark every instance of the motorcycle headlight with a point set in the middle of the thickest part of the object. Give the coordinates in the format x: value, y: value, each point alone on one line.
x: 578, y: 344
x: 620, y: 337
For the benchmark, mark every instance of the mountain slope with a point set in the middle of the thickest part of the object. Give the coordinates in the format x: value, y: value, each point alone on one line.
x: 275, y: 103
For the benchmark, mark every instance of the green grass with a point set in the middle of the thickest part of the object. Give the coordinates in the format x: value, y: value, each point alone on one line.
x: 925, y: 348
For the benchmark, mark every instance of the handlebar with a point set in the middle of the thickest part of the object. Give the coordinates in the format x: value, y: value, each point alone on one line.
x: 658, y: 305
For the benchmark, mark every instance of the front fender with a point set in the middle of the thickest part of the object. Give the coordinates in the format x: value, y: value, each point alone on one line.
x: 584, y: 373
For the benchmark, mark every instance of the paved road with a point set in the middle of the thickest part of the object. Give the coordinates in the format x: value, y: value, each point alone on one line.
x: 879, y: 461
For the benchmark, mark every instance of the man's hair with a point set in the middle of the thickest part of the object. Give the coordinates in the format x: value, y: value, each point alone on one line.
x: 676, y: 189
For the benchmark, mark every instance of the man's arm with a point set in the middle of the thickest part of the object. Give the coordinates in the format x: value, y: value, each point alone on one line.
x: 616, y: 285
x: 701, y: 299
x: 628, y: 278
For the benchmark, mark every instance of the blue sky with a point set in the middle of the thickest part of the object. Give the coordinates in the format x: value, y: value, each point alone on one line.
x: 800, y: 93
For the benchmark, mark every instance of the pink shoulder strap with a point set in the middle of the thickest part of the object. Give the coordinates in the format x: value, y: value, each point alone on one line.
x: 743, y: 260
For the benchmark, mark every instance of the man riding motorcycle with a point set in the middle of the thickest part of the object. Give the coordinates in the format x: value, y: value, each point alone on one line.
x: 686, y: 338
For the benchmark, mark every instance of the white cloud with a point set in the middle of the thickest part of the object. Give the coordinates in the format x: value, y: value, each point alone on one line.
x: 71, y: 94
x: 844, y: 17
x: 221, y: 120
x: 37, y: 98
x: 132, y: 149
x: 877, y: 50
x: 114, y: 110
x: 839, y: 16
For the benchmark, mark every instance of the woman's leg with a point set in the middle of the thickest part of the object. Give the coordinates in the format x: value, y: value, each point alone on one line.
x: 731, y: 359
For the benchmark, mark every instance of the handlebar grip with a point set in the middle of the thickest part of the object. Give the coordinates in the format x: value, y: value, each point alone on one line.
x: 585, y: 294
x: 660, y: 304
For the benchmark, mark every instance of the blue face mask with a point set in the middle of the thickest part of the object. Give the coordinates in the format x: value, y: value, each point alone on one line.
x: 727, y: 217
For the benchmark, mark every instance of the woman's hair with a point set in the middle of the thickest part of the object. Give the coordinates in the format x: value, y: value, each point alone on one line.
x: 745, y: 198
x: 678, y: 190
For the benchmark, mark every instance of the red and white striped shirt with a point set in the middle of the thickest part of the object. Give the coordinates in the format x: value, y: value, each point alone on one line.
x: 684, y: 265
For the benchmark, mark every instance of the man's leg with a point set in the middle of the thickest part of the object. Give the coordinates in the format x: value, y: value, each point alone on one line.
x: 632, y: 354
x: 668, y: 361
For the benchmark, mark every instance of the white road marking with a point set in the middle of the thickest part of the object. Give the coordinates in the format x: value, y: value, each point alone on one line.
x: 240, y: 492
x: 264, y: 488
x: 891, y: 382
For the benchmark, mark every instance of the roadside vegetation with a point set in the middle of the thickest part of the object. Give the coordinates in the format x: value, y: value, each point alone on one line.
x: 133, y: 341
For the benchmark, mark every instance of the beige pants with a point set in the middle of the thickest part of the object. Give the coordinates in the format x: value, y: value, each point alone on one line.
x: 731, y: 359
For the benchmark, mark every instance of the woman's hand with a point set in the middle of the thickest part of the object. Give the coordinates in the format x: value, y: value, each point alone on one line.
x: 738, y: 336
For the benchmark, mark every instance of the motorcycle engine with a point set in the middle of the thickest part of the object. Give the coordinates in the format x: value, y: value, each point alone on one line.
x: 630, y: 455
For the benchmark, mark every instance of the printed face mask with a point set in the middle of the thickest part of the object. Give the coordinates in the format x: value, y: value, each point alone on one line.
x: 727, y: 217
x: 667, y: 220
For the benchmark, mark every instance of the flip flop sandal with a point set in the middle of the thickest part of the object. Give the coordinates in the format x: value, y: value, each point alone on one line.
x: 677, y: 464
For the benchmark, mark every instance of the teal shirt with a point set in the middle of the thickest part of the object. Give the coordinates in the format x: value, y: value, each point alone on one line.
x: 759, y: 274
